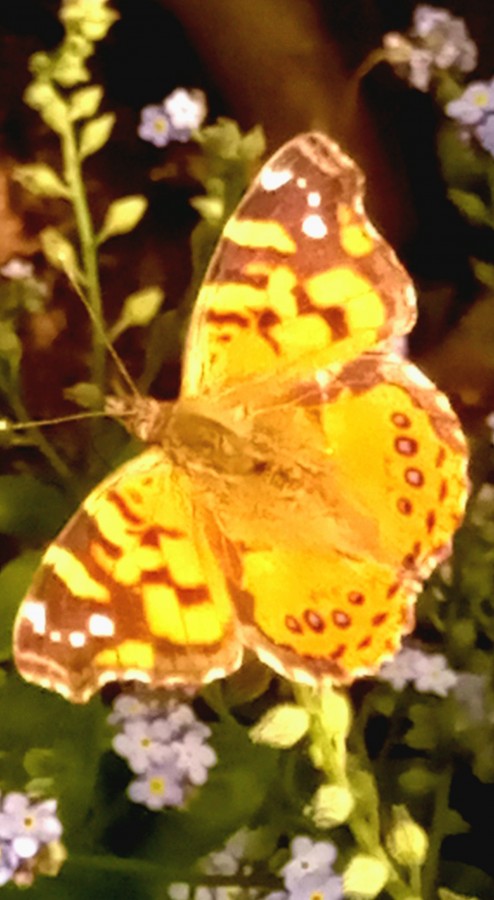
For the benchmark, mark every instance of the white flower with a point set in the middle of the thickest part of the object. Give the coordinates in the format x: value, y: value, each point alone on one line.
x: 428, y: 672
x: 186, y: 109
x: 434, y: 675
x: 310, y: 860
x: 400, y: 670
x: 17, y: 268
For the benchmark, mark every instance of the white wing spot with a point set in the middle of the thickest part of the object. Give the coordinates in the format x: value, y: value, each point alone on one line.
x: 314, y: 227
x: 301, y: 182
x: 314, y: 198
x: 77, y: 639
x: 273, y: 179
x: 101, y: 626
x: 35, y: 612
x: 55, y: 636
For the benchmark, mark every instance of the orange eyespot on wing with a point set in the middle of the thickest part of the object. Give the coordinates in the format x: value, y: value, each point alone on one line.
x: 131, y: 589
x: 300, y: 278
x: 332, y: 595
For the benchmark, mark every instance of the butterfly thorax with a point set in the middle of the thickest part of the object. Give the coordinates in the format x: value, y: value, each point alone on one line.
x: 195, y: 440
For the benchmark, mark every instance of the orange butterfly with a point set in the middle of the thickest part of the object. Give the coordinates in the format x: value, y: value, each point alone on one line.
x: 294, y: 497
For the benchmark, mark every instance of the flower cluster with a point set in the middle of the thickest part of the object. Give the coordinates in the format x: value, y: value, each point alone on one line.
x: 435, y: 41
x: 428, y: 672
x: 310, y: 872
x: 165, y: 746
x: 174, y: 119
x: 28, y: 828
x: 474, y: 109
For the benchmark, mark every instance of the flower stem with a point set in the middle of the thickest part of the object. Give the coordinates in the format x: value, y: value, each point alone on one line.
x: 88, y: 246
x: 441, y: 805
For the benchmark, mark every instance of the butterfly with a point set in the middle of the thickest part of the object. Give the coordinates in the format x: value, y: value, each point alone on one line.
x: 299, y: 491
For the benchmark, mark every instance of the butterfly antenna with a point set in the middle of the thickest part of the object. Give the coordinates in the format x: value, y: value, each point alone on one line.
x: 119, y: 363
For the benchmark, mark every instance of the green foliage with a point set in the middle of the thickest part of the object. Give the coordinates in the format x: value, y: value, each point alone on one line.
x: 371, y: 769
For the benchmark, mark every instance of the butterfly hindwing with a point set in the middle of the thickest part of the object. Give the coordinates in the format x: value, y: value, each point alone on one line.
x: 373, y: 489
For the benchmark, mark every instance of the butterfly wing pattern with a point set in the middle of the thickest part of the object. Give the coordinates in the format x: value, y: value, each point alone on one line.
x: 310, y: 479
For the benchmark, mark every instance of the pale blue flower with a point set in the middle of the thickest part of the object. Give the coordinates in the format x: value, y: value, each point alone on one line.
x: 9, y: 862
x: 311, y: 863
x: 166, y: 746
x: 27, y: 824
x: 194, y: 757
x: 142, y: 743
x: 435, y: 41
x: 484, y: 132
x: 174, y: 119
x: 155, y: 126
x: 329, y: 889
x: 474, y: 104
x: 128, y: 706
x: 159, y: 787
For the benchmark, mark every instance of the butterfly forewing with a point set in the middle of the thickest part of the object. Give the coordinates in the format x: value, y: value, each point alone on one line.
x: 131, y: 589
x: 300, y: 278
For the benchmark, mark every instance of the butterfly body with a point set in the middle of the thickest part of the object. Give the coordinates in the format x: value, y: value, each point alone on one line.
x: 298, y: 492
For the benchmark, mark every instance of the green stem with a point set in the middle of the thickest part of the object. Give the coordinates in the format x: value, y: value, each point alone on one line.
x: 441, y: 805
x: 89, y: 254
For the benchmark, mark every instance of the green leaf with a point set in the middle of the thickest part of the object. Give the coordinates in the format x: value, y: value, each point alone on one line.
x: 138, y: 310
x: 41, y: 180
x: 122, y: 216
x: 29, y: 508
x: 10, y: 357
x: 15, y: 579
x: 281, y: 726
x: 484, y: 272
x: 43, y: 97
x: 471, y: 206
x: 95, y: 134
x: 84, y: 103
x: 85, y: 394
x: 61, y: 254
x: 445, y: 894
x: 453, y: 823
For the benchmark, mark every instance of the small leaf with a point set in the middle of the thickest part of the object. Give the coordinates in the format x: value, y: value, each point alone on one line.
x: 41, y: 180
x: 15, y: 578
x: 85, y: 394
x: 138, y: 310
x: 471, y: 206
x: 122, y: 216
x: 281, y: 726
x: 95, y: 134
x: 445, y: 894
x: 61, y: 254
x: 84, y: 103
x: 43, y: 97
x: 484, y: 272
x: 10, y: 356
